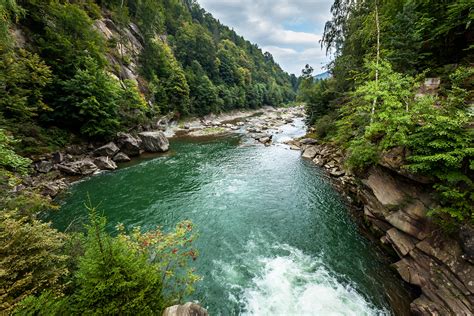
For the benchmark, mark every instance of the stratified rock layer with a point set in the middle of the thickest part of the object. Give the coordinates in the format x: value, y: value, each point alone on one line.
x: 395, y: 204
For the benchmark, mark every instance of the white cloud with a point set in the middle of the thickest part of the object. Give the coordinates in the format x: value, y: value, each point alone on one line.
x: 289, y: 29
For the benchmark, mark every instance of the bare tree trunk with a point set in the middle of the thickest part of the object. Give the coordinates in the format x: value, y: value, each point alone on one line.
x: 377, y: 24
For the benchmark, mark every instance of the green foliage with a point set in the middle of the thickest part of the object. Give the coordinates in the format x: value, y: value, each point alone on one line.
x: 23, y: 76
x: 138, y: 273
x: 10, y: 11
x: 8, y: 157
x: 31, y: 258
x: 48, y: 303
x: 362, y: 154
x: 377, y: 101
x: 90, y: 100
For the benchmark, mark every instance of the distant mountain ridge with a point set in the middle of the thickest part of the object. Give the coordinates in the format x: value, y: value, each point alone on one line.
x: 322, y: 76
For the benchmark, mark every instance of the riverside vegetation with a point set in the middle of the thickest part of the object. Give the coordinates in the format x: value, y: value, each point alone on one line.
x: 395, y: 125
x: 376, y: 100
x: 73, y: 71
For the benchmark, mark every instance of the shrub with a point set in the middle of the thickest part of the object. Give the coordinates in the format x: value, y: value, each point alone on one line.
x: 31, y: 259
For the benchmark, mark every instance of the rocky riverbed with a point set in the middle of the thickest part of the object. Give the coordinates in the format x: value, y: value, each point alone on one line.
x: 393, y: 205
x: 54, y: 172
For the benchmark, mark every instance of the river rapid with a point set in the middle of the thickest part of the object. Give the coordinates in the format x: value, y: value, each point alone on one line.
x: 274, y: 237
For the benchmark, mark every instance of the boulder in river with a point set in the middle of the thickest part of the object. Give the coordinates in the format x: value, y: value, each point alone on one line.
x: 105, y: 163
x: 121, y: 157
x: 129, y: 145
x: 265, y: 140
x: 154, y: 141
x: 108, y: 150
x: 310, y: 152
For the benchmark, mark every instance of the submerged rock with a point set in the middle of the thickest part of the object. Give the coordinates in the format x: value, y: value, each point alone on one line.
x: 154, y: 141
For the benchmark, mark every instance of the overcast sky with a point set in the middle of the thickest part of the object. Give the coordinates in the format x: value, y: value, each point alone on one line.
x: 289, y: 29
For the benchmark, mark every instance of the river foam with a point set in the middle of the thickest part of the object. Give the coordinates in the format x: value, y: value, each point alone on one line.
x: 290, y: 282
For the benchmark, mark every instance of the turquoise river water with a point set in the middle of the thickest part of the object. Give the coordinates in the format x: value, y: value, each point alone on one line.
x: 274, y: 237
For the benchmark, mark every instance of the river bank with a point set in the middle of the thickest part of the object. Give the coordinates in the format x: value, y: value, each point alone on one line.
x: 393, y: 205
x: 54, y: 172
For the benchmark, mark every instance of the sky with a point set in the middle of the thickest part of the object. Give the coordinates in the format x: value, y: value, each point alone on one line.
x: 289, y: 29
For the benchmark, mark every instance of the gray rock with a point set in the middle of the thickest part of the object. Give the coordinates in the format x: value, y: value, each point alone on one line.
x: 310, y: 152
x: 319, y: 161
x: 402, y: 243
x: 129, y: 145
x: 108, y: 150
x: 80, y: 167
x: 335, y: 172
x: 308, y: 141
x: 188, y: 309
x: 105, y: 163
x: 154, y: 141
x: 265, y: 140
x: 121, y: 157
x: 53, y: 188
x: 58, y: 157
x: 76, y: 150
x: 43, y: 166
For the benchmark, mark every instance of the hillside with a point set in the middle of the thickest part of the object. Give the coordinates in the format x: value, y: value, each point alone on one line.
x: 93, y: 68
x: 396, y: 119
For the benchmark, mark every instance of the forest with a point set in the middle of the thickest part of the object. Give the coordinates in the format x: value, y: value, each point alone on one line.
x: 401, y: 81
x: 379, y: 98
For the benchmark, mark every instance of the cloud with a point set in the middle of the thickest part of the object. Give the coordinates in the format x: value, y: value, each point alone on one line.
x: 289, y: 29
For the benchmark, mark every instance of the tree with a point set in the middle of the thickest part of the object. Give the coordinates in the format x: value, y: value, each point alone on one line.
x: 31, y: 258
x: 90, y: 101
x: 23, y: 77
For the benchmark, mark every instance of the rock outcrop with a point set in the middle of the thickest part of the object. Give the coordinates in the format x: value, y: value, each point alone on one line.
x: 121, y: 157
x: 82, y: 167
x: 154, y: 141
x: 105, y: 163
x: 108, y: 150
x: 395, y: 206
x: 129, y: 145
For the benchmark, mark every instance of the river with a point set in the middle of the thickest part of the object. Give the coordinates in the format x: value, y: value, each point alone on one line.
x: 274, y: 236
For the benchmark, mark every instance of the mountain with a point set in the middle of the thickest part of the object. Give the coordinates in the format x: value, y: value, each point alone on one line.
x: 96, y: 67
x: 323, y: 76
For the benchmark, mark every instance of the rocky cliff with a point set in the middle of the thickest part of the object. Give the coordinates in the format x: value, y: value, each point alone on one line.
x: 394, y: 206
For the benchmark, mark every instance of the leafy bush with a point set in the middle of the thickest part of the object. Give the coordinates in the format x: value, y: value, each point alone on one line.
x: 362, y: 154
x: 137, y: 273
x: 8, y: 158
x: 31, y: 258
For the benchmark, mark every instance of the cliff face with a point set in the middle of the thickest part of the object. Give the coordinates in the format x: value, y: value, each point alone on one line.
x: 394, y: 205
